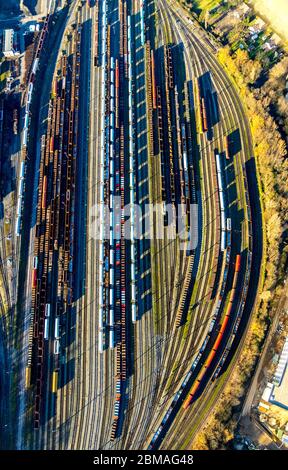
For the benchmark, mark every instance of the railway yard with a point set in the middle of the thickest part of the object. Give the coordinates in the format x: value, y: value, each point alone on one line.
x: 130, y: 320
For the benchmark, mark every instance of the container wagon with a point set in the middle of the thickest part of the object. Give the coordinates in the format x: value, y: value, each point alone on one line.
x: 218, y: 340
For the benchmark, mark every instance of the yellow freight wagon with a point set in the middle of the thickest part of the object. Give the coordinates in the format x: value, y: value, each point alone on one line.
x: 54, y: 381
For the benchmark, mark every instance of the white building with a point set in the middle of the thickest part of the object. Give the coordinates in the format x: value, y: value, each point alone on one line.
x: 7, y: 45
x: 281, y: 364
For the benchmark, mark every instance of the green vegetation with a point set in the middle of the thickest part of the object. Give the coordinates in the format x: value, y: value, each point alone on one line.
x: 4, y: 73
x: 259, y: 45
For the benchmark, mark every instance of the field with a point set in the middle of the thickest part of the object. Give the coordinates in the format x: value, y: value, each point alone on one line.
x: 275, y: 12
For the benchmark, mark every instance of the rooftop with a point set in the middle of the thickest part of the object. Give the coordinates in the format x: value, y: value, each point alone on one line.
x: 8, y: 37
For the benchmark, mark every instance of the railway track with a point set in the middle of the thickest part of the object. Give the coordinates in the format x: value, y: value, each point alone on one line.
x: 175, y: 430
